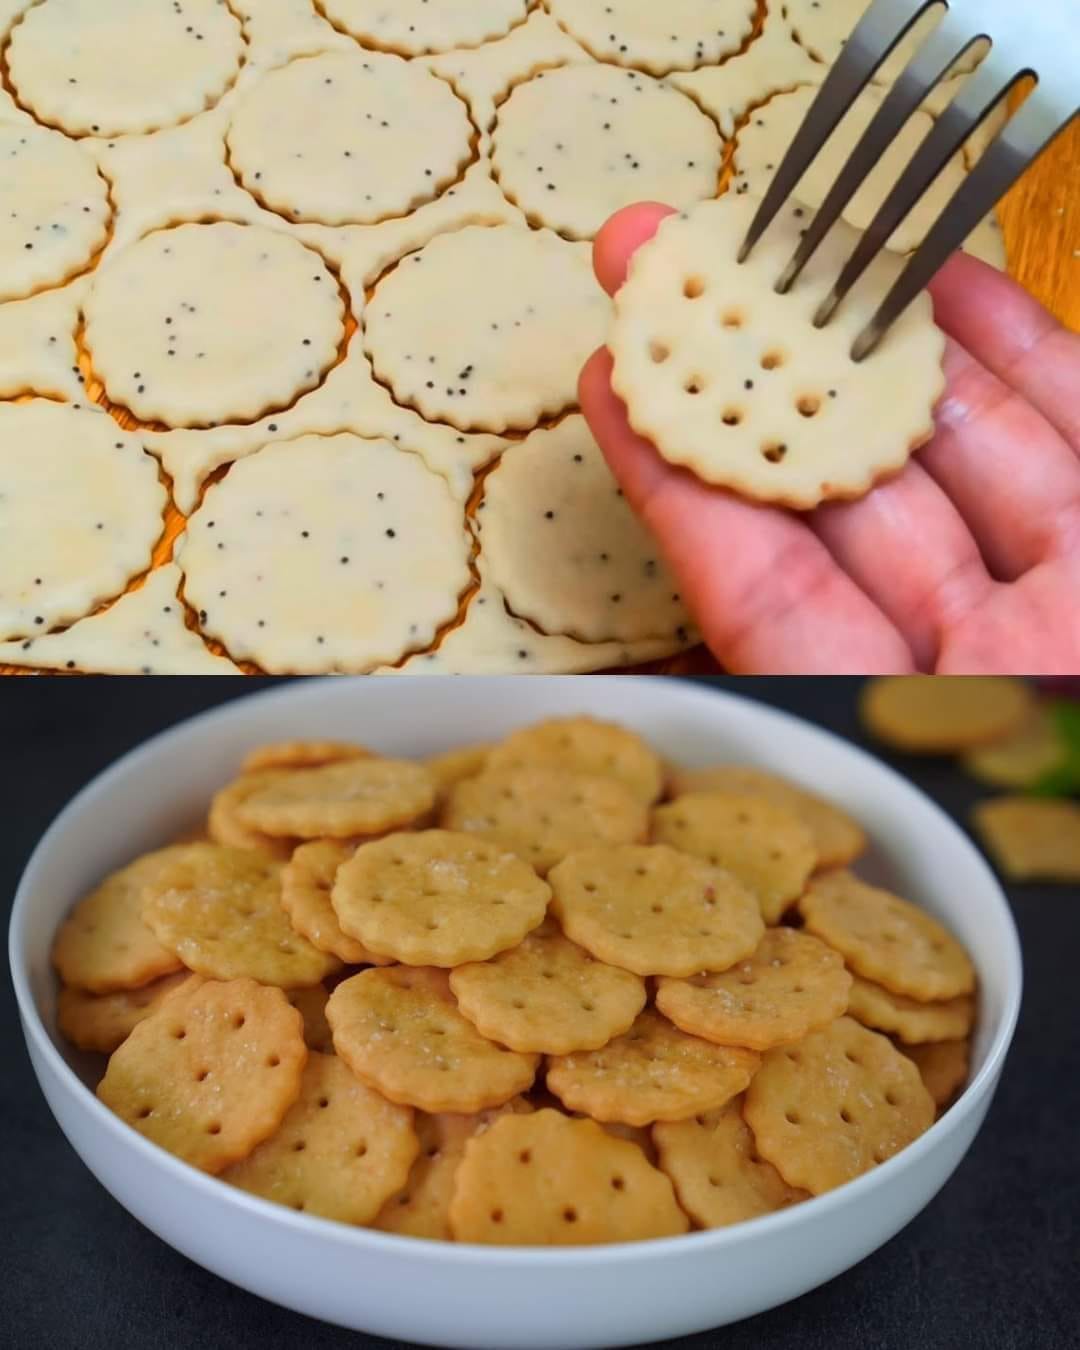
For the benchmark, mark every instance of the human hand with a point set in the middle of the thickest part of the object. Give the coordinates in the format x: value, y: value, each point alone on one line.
x: 966, y: 562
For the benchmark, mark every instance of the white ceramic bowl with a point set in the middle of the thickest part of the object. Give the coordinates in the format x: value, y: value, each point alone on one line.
x: 480, y: 1297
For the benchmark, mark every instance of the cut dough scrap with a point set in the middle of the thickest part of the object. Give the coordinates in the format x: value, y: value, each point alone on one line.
x: 278, y: 30
x: 125, y: 66
x: 492, y: 641
x: 349, y: 137
x: 566, y: 549
x: 80, y: 511
x: 674, y: 35
x: 143, y: 633
x: 205, y: 324
x: 573, y: 146
x: 326, y: 553
x: 731, y: 380
x: 37, y: 345
x: 519, y: 313
x: 56, y: 209
x: 761, y: 146
x: 414, y: 27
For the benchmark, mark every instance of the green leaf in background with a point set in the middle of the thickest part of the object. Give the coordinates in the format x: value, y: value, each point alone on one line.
x: 1063, y: 780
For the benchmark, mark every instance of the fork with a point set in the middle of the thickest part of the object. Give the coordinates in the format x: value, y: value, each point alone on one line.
x: 1027, y: 40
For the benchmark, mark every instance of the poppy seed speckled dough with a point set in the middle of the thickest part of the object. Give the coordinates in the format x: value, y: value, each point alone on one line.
x: 349, y: 138
x: 123, y: 66
x: 413, y: 27
x: 205, y: 324
x: 55, y: 209
x: 657, y: 35
x: 519, y: 311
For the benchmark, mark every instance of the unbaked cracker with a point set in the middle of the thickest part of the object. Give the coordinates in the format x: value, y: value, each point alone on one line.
x: 677, y: 35
x: 37, y: 344
x: 125, y: 66
x: 566, y: 549
x: 306, y: 883
x: 341, y: 1151
x: 142, y: 633
x: 417, y: 26
x: 348, y: 138
x: 942, y: 714
x: 584, y: 745
x: 944, y: 1067
x: 652, y: 1072
x: 56, y: 209
x: 326, y: 553
x: 907, y: 1019
x: 341, y: 801
x: 573, y: 146
x: 80, y: 513
x: 101, y: 1022
x: 204, y: 324
x: 731, y: 380
x: 1031, y: 839
x: 717, y: 1173
x: 519, y: 312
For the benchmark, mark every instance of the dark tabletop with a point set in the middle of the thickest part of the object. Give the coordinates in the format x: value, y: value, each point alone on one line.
x: 993, y: 1261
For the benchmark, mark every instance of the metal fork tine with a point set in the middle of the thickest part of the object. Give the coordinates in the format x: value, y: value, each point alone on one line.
x: 937, y: 55
x: 1024, y: 137
x: 875, y: 36
x: 972, y: 105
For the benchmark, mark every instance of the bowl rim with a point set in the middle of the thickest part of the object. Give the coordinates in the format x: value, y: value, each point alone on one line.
x: 361, y: 1239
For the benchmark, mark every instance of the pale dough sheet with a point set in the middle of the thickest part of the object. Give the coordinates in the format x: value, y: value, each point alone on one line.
x: 414, y: 27
x: 660, y: 35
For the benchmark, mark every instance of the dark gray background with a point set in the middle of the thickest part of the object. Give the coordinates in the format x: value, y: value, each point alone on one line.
x: 993, y: 1261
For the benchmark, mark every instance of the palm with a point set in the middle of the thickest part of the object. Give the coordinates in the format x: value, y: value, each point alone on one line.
x: 967, y: 561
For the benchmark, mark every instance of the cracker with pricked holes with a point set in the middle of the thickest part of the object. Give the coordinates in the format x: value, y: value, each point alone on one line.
x: 341, y: 1151
x: 907, y: 1019
x: 306, y: 883
x: 544, y: 1179
x: 453, y: 766
x: 326, y: 554
x: 835, y: 1104
x: 584, y: 745
x: 563, y: 544
x: 436, y: 898
x: 765, y: 845
x: 1020, y: 758
x: 838, y: 838
x: 311, y: 1005
x: 677, y: 35
x: 219, y: 909
x: 339, y: 801
x: 944, y: 1067
x: 886, y: 939
x: 224, y: 827
x: 519, y: 312
x: 399, y: 1029
x: 730, y: 379
x: 548, y: 995
x: 104, y: 945
x: 543, y: 813
x: 413, y: 27
x: 717, y: 1173
x: 101, y: 1022
x: 211, y: 1073
x: 301, y: 755
x: 790, y: 985
x: 304, y: 139
x: 940, y: 714
x: 422, y: 1208
x: 574, y: 145
x: 653, y: 910
x: 652, y: 1072
x: 1031, y: 839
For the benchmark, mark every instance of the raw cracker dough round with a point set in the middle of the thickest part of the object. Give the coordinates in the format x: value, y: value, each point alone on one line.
x: 731, y: 380
x: 566, y: 549
x: 206, y: 324
x: 518, y: 312
x: 112, y: 67
x: 349, y: 138
x: 326, y: 553
x: 573, y: 146
x: 80, y: 511
x: 413, y: 27
x: 55, y: 211
x: 657, y: 35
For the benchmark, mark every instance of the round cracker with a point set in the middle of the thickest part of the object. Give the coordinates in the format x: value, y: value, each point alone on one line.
x: 1031, y: 838
x: 1020, y: 759
x: 766, y: 846
x: 414, y: 27
x: 311, y: 1005
x: 224, y: 827
x: 544, y: 1179
x: 677, y: 35
x: 301, y: 755
x: 548, y: 995
x: 652, y: 1072
x: 101, y: 1022
x: 399, y: 1029
x: 339, y: 801
x: 886, y: 939
x: 653, y: 910
x: 790, y: 985
x: 943, y: 1066
x: 453, y: 766
x: 836, y: 1104
x: 584, y: 745
x: 306, y: 883
x: 341, y: 1151
x: 211, y: 1074
x: 942, y: 714
x: 907, y: 1019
